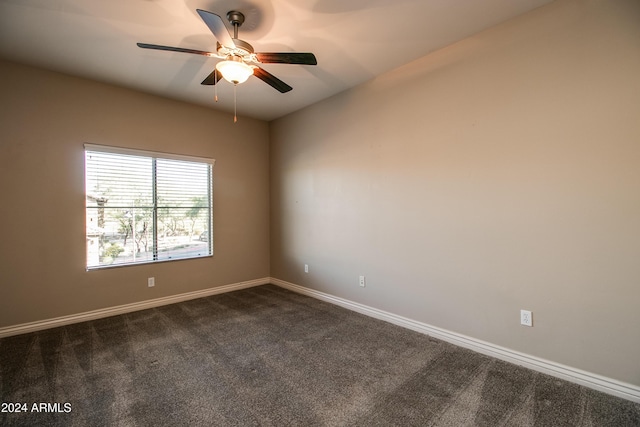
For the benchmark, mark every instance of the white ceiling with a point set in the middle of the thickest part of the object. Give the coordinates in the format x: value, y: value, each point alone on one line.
x: 353, y: 40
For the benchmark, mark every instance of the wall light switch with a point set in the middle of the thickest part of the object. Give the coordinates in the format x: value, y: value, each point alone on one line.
x: 151, y: 282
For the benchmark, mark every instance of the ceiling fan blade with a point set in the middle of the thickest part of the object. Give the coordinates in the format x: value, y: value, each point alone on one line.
x: 212, y: 78
x: 176, y: 49
x: 271, y: 80
x: 287, y: 58
x: 217, y: 27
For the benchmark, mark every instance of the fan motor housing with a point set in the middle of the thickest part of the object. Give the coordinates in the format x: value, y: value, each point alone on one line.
x: 242, y: 48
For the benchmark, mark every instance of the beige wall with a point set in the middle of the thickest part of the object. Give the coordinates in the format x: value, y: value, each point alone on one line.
x: 498, y: 174
x: 44, y: 120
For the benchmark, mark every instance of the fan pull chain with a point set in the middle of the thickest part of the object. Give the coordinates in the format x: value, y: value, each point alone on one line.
x: 235, y: 104
x: 215, y: 86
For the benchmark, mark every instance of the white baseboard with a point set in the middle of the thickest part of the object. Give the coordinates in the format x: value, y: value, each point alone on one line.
x: 597, y: 382
x: 126, y: 308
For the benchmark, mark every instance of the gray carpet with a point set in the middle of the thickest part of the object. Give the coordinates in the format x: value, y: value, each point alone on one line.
x: 267, y: 356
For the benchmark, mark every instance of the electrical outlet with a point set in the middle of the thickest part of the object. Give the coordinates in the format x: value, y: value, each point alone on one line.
x: 151, y: 282
x: 306, y: 268
x: 526, y: 318
x: 362, y: 282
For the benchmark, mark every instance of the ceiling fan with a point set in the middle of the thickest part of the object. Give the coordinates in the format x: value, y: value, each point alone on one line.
x: 238, y: 57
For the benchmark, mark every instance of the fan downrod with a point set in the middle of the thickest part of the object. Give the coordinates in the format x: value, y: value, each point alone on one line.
x: 236, y: 19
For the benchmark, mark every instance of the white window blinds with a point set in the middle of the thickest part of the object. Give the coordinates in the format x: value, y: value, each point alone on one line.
x: 146, y: 207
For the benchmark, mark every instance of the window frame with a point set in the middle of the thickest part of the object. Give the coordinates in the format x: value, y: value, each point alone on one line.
x: 153, y: 155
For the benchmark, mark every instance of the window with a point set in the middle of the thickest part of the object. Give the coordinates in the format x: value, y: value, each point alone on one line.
x: 146, y: 207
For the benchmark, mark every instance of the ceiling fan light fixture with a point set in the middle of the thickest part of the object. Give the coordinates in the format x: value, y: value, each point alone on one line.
x: 238, y: 54
x: 234, y: 70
